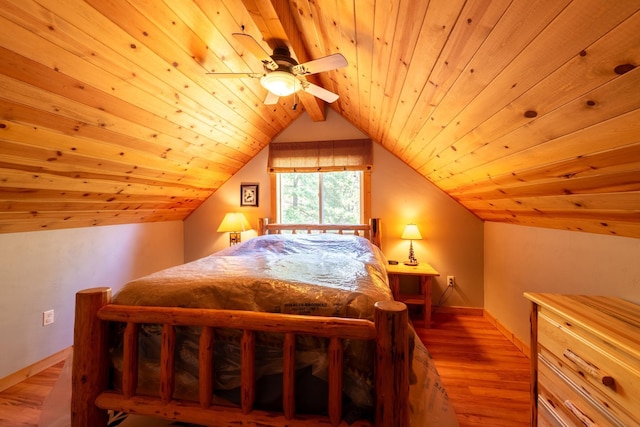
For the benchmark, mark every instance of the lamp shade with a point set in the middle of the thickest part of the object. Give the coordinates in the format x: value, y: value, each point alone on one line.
x: 280, y: 83
x: 411, y: 232
x: 234, y: 222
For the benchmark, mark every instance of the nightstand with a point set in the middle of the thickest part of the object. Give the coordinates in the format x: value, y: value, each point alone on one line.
x: 423, y: 298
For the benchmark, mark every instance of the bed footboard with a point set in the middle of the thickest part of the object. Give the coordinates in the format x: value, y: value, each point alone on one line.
x: 90, y: 379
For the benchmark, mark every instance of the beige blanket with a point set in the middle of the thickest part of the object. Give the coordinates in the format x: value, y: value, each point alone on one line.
x: 318, y: 274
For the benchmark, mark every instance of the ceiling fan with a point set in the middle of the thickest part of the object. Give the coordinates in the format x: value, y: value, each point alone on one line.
x: 283, y: 75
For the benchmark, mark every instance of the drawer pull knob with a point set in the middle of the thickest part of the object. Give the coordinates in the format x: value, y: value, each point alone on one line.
x: 590, y: 369
x: 579, y: 414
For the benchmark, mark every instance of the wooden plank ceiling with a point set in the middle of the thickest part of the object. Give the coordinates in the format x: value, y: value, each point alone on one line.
x: 526, y: 112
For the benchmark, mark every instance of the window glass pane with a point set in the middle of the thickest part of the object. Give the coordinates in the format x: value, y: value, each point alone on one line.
x: 304, y: 196
x: 341, y: 197
x: 299, y: 201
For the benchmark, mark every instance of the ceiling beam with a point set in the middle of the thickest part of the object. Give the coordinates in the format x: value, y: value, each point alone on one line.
x: 277, y: 25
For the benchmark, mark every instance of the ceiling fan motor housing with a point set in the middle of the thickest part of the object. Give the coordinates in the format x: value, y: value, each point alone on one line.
x: 282, y: 57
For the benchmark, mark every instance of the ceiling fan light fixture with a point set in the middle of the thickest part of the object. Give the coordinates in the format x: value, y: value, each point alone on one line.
x: 280, y: 83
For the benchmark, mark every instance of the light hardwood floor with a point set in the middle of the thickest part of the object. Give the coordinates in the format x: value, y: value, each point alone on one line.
x: 20, y: 405
x: 486, y: 377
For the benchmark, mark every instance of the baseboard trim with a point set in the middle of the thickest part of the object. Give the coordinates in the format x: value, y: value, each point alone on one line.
x: 520, y: 345
x: 24, y: 373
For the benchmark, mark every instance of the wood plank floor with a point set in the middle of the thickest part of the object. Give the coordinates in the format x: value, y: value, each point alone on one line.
x: 20, y: 405
x: 486, y: 377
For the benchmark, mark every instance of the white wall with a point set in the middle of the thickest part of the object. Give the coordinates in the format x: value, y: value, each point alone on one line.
x: 522, y: 259
x: 453, y: 238
x: 200, y: 235
x: 43, y: 270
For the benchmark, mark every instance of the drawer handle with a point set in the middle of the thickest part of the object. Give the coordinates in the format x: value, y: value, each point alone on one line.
x: 579, y: 414
x: 590, y: 369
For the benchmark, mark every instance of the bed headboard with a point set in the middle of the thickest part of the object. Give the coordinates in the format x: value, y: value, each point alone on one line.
x: 371, y: 231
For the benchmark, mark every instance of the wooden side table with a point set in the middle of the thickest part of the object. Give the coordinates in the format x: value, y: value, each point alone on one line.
x: 423, y: 298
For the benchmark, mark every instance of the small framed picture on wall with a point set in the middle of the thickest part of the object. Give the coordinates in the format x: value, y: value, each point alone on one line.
x: 249, y: 195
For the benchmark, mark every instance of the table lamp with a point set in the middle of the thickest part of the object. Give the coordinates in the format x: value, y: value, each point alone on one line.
x: 411, y: 233
x: 234, y: 223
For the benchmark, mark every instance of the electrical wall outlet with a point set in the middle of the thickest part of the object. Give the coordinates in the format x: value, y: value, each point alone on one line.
x: 47, y: 317
x: 451, y: 281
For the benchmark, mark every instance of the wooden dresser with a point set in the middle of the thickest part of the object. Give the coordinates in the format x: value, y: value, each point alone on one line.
x: 585, y: 360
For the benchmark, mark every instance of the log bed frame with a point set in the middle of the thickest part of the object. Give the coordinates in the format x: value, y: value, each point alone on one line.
x: 92, y: 398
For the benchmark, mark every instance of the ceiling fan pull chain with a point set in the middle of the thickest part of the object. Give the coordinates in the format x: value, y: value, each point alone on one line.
x: 295, y: 95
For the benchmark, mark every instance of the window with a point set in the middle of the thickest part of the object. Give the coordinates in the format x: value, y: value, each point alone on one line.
x: 321, y: 182
x: 320, y: 198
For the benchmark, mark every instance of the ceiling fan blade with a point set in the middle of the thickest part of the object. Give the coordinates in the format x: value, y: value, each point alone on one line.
x: 319, y: 65
x: 320, y: 92
x: 256, y: 49
x: 271, y: 99
x: 235, y: 75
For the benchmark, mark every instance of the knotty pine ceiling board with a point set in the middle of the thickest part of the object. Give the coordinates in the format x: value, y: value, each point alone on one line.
x: 523, y: 112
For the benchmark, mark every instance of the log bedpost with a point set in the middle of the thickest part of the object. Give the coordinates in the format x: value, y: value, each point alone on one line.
x: 90, y: 358
x: 392, y: 364
x: 375, y: 235
x: 262, y: 226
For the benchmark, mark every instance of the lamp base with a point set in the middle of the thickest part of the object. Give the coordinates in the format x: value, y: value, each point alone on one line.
x: 412, y: 258
x: 234, y: 238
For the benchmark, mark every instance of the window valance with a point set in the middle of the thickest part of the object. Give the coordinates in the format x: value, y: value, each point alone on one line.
x: 320, y: 156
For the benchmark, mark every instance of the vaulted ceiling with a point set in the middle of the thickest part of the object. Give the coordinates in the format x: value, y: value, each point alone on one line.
x: 525, y: 112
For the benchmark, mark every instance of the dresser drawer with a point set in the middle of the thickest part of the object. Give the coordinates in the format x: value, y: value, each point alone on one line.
x: 610, y: 376
x: 585, y: 354
x: 604, y: 404
x: 547, y: 416
x: 566, y: 403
